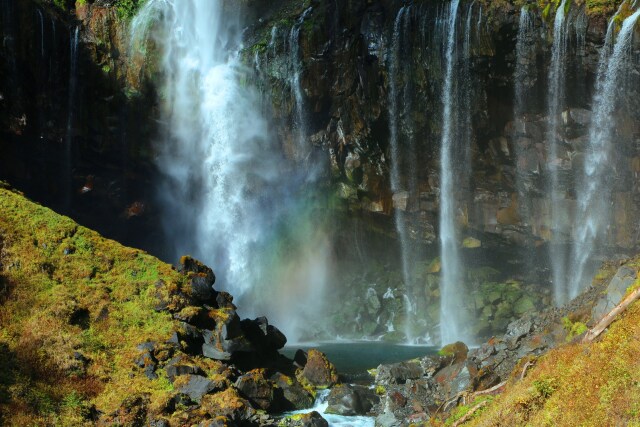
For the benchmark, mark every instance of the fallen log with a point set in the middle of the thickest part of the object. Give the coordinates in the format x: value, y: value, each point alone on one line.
x: 469, y: 414
x: 604, y: 323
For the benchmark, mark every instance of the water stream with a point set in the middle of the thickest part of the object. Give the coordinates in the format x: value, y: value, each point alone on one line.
x: 74, y: 41
x: 452, y: 314
x: 555, y: 104
x: 594, y: 201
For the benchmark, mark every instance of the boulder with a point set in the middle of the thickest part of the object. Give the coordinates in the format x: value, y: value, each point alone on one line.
x: 349, y: 400
x: 228, y: 404
x: 616, y: 289
x: 318, y: 371
x: 398, y: 373
x: 196, y: 386
x: 263, y: 335
x: 181, y: 365
x: 294, y: 396
x: 457, y: 351
x: 200, y: 278
x: 256, y: 388
x: 312, y: 419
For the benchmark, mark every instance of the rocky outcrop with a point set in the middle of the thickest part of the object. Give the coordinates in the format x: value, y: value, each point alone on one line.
x: 417, y: 390
x: 130, y: 340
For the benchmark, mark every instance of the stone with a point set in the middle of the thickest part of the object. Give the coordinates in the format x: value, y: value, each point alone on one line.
x: 201, y: 279
x: 264, y: 336
x: 181, y: 365
x: 196, y: 386
x: 401, y: 200
x: 398, y: 373
x: 457, y: 351
x: 294, y: 396
x: 517, y: 330
x: 318, y: 371
x: 523, y: 305
x: 471, y: 243
x: 453, y: 379
x: 350, y: 400
x: 228, y: 403
x: 256, y: 388
x: 616, y: 289
x: 312, y: 419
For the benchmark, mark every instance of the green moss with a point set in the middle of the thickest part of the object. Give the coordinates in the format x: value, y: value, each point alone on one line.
x: 55, y: 270
x: 573, y: 329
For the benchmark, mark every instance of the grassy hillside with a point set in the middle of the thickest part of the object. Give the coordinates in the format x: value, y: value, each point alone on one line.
x: 577, y: 384
x: 73, y: 308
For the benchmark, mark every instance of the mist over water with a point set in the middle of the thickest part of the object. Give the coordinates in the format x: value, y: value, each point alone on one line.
x: 229, y: 195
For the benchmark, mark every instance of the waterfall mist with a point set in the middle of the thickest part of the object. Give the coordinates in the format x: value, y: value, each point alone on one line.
x: 230, y: 196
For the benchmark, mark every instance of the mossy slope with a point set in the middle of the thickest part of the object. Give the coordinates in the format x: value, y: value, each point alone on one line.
x: 577, y: 384
x: 73, y: 308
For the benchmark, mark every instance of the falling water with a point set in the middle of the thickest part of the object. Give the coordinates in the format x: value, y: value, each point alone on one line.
x: 228, y: 191
x: 524, y: 76
x: 555, y: 101
x: 452, y: 317
x: 396, y: 186
x: 594, y: 197
x: 73, y: 85
x: 300, y: 121
x: 41, y: 18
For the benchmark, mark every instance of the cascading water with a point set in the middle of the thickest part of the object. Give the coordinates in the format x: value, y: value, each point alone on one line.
x: 524, y: 77
x: 228, y: 192
x: 41, y: 20
x: 594, y: 202
x: 68, y: 145
x: 555, y: 102
x: 300, y: 121
x: 453, y: 316
x: 394, y: 142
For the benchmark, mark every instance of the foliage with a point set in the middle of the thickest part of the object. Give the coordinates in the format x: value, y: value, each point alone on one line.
x: 573, y: 329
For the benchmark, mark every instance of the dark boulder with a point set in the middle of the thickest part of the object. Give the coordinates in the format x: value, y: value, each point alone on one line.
x: 294, y: 396
x: 201, y: 279
x: 398, y: 373
x: 229, y: 404
x: 264, y: 336
x: 196, y: 386
x: 182, y: 365
x: 312, y: 419
x: 350, y: 400
x: 256, y: 388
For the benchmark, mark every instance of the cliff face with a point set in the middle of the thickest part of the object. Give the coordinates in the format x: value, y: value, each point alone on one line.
x: 76, y: 119
x: 346, y: 59
x: 357, y: 87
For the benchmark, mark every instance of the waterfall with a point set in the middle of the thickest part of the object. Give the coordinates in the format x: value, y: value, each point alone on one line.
x: 397, y: 70
x: 453, y: 318
x: 300, y: 150
x: 68, y: 144
x: 555, y: 102
x: 395, y: 150
x: 524, y: 77
x: 41, y: 18
x: 230, y: 196
x: 594, y: 196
